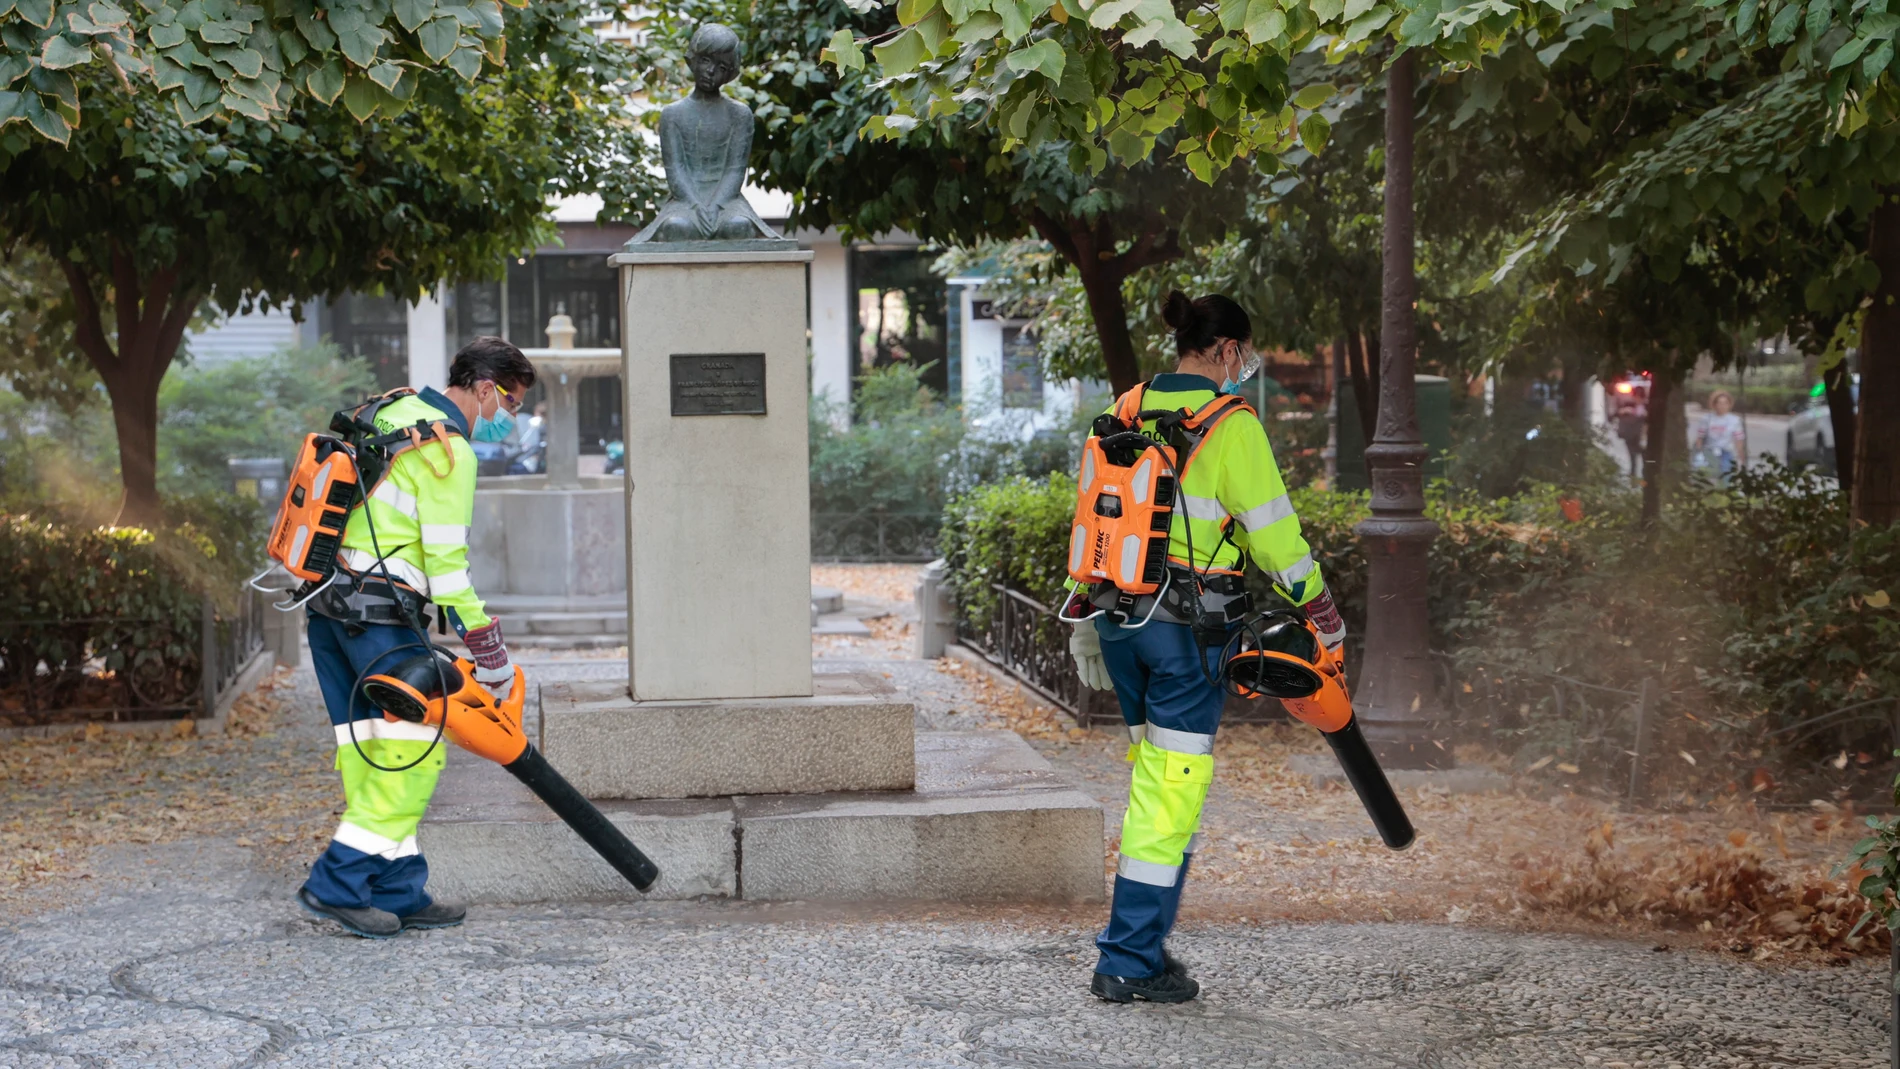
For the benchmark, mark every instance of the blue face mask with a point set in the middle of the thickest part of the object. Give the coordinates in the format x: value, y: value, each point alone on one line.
x: 494, y: 428
x: 1249, y: 366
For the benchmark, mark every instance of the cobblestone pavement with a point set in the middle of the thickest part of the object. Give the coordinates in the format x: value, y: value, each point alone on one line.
x: 199, y: 961
x: 192, y: 954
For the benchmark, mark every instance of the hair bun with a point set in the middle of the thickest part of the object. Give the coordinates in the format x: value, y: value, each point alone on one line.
x: 1178, y: 312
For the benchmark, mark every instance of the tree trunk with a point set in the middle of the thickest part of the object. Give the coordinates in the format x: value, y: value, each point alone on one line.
x: 1103, y: 286
x: 1571, y: 405
x: 1398, y: 685
x: 1839, y: 383
x: 1335, y: 385
x: 151, y: 316
x: 1655, y: 446
x: 1091, y: 247
x: 1876, y: 465
x: 135, y: 418
x: 1365, y: 383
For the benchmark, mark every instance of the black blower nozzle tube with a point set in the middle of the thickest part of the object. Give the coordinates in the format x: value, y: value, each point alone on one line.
x: 1369, y: 782
x: 589, y: 823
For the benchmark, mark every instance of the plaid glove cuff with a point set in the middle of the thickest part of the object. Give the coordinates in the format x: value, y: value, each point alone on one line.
x: 1325, y: 617
x: 486, y: 648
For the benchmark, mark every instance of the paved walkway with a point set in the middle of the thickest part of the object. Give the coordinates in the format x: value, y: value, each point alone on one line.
x: 202, y: 963
x: 191, y: 954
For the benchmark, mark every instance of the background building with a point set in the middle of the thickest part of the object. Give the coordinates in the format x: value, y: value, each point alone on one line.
x: 869, y: 304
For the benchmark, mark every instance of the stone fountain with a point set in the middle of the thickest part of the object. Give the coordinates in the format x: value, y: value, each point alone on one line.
x: 548, y: 551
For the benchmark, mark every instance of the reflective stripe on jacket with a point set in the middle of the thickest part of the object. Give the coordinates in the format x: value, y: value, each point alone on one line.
x: 1234, y: 475
x: 422, y: 511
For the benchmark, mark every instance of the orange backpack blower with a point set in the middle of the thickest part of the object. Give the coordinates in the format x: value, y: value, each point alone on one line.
x: 308, y: 530
x: 1125, y: 494
x: 332, y: 474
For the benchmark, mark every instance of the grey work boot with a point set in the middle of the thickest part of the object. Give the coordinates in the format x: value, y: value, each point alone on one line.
x: 370, y: 923
x: 435, y: 915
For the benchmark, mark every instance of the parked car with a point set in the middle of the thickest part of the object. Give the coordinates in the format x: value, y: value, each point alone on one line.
x: 504, y: 458
x: 1811, y: 432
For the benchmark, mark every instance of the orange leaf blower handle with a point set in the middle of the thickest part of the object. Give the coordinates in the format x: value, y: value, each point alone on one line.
x: 478, y: 723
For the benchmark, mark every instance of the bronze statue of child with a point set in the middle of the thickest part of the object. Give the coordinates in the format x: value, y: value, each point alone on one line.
x: 705, y: 143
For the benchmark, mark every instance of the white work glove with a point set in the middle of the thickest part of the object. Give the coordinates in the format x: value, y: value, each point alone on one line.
x: 501, y: 686
x: 1085, y: 645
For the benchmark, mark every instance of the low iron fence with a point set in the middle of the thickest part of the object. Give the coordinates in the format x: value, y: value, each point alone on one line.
x: 1025, y: 638
x: 894, y: 537
x: 84, y: 669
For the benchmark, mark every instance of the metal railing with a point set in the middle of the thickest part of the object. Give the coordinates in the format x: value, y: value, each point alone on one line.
x: 895, y: 537
x: 1025, y: 639
x: 227, y: 645
x: 119, y: 669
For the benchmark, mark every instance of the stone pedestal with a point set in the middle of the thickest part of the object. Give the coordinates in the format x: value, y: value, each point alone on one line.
x: 718, y: 755
x: 852, y: 736
x: 718, y: 519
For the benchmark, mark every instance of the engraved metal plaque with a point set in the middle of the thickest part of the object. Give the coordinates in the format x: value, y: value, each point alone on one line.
x: 718, y: 384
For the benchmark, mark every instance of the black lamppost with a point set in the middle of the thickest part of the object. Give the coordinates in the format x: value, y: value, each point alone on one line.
x: 1397, y: 699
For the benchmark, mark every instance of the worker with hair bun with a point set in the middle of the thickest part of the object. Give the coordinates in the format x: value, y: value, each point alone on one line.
x: 1231, y: 504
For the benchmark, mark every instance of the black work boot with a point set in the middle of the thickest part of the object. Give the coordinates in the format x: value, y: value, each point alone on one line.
x: 370, y: 923
x: 1173, y: 966
x: 435, y: 915
x: 1167, y: 987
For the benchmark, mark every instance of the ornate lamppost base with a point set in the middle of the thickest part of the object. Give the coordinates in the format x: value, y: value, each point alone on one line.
x: 1397, y: 696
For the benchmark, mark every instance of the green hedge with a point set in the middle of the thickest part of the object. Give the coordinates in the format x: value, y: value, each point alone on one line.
x: 1014, y: 532
x: 130, y: 598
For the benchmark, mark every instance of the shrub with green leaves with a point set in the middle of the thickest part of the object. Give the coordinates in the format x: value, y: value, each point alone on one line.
x: 906, y: 454
x: 122, y: 600
x: 1014, y: 533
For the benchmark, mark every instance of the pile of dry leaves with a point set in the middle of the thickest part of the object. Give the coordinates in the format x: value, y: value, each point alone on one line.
x: 267, y: 780
x: 1731, y: 889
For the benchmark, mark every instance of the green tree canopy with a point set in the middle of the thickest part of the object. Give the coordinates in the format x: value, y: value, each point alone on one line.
x: 150, y: 216
x: 201, y: 58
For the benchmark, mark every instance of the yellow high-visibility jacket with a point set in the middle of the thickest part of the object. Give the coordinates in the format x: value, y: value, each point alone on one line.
x: 422, y: 511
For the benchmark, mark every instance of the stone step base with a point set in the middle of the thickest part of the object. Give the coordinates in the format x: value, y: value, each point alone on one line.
x: 840, y: 623
x: 988, y: 821
x: 825, y: 599
x: 851, y: 735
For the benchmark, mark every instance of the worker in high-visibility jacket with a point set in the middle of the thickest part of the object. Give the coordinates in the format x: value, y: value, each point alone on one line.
x: 415, y: 527
x: 1232, y: 504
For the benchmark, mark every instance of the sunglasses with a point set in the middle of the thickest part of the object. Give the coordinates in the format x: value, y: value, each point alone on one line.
x: 508, y: 400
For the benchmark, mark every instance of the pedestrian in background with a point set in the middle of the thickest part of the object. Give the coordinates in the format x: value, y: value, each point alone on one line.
x: 1631, y: 417
x: 1721, y: 439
